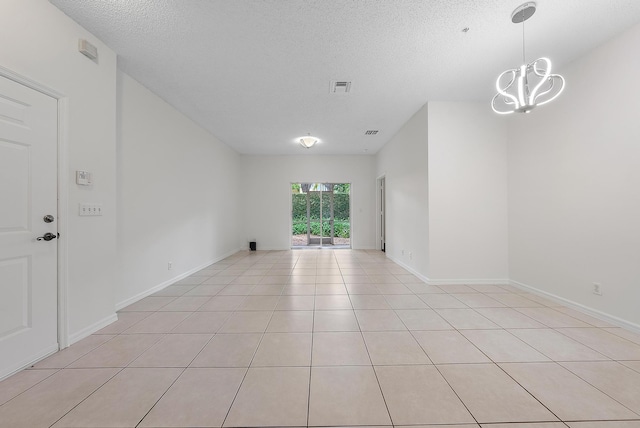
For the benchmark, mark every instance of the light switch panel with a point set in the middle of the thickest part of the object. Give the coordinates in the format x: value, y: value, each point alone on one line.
x: 87, y: 209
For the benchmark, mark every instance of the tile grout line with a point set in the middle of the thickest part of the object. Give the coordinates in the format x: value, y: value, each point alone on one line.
x: 187, y: 366
x: 248, y: 367
x: 92, y: 392
x: 67, y: 367
x: 56, y: 370
x: 161, y: 395
x: 498, y: 366
x: 528, y: 392
x: 594, y: 386
x: 557, y: 330
x: 435, y: 366
x: 313, y: 322
x: 372, y: 366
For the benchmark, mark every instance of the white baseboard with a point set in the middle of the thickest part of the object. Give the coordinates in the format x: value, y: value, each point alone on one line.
x: 579, y: 307
x: 260, y: 248
x: 162, y: 285
x: 88, y: 331
x: 470, y: 281
x: 501, y: 281
x: 409, y: 268
x: 5, y: 373
x: 267, y: 249
x: 467, y: 281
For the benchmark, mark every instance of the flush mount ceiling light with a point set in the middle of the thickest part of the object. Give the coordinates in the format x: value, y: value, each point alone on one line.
x: 521, y: 89
x: 308, y: 141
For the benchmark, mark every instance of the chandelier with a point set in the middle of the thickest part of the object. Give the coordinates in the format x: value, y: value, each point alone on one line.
x: 522, y: 89
x: 308, y: 141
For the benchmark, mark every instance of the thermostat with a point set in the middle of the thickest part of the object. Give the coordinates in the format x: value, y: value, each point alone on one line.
x: 84, y: 178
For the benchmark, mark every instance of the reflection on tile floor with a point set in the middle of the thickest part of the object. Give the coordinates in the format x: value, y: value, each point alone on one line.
x: 334, y: 338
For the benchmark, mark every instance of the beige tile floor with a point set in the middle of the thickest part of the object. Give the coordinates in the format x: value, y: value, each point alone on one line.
x: 334, y: 338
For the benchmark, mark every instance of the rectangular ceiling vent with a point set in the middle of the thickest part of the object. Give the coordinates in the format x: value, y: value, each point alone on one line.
x: 371, y: 132
x: 340, y: 87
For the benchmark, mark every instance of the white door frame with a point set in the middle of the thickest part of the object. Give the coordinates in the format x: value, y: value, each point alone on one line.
x: 63, y: 195
x: 379, y: 207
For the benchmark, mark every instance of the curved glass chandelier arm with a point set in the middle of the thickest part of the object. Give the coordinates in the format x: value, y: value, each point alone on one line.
x: 545, y: 91
x: 495, y: 109
x: 549, y: 78
x: 507, y: 98
x: 545, y: 76
x: 541, y: 72
x: 555, y: 77
x: 503, y: 91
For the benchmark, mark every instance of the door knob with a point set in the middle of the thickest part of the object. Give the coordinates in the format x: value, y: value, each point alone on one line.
x: 48, y: 218
x: 47, y: 237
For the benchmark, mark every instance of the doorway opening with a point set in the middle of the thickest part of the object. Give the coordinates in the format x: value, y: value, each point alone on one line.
x: 321, y: 215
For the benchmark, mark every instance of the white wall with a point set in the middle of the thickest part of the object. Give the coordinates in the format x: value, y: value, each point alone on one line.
x: 403, y: 162
x: 446, y: 194
x: 41, y: 43
x: 574, y: 184
x: 266, y: 195
x: 467, y: 194
x: 177, y: 193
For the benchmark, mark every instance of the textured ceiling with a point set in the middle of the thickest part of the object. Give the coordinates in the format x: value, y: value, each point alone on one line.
x: 256, y: 73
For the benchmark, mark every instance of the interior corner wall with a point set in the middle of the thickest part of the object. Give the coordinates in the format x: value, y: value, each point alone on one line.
x: 467, y: 166
x: 266, y: 195
x: 403, y: 163
x: 41, y: 43
x: 177, y: 194
x: 574, y: 185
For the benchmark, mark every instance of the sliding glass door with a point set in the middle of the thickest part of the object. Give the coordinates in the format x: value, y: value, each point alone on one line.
x: 321, y: 215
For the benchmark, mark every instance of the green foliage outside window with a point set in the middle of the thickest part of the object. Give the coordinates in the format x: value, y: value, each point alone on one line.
x: 341, y: 228
x: 340, y: 206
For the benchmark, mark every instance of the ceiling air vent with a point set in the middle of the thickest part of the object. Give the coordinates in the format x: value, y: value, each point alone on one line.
x: 340, y: 87
x: 371, y: 132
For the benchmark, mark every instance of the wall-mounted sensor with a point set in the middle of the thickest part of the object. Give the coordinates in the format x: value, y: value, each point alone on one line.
x: 87, y: 49
x: 84, y: 178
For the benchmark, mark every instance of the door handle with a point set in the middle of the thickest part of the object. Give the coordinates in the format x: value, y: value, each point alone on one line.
x: 47, y: 237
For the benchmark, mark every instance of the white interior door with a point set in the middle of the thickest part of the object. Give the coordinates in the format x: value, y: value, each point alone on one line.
x: 28, y: 193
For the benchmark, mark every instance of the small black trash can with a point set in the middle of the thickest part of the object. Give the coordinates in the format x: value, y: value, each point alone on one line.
x: 252, y: 245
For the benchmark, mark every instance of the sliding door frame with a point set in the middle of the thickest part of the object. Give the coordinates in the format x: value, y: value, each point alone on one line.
x: 351, y: 228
